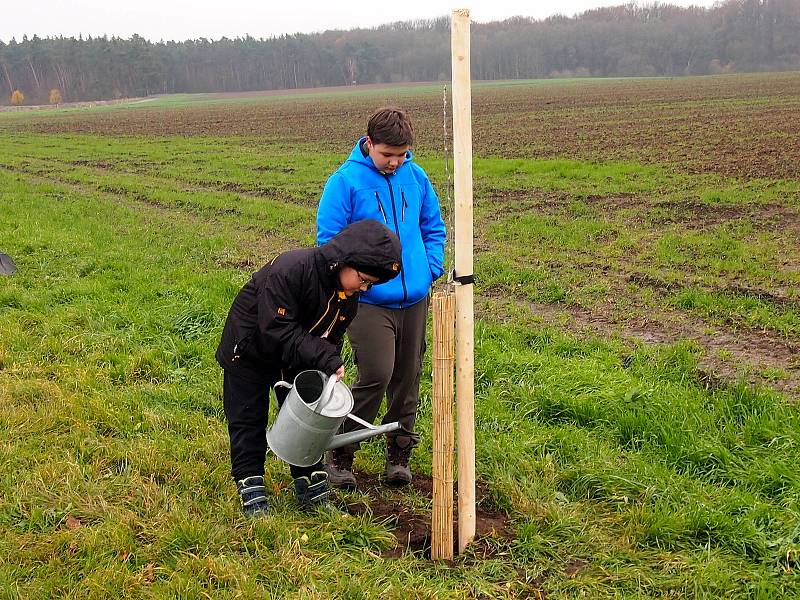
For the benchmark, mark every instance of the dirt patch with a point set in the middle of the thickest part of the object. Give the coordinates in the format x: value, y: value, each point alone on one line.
x: 97, y: 164
x: 728, y: 357
x: 614, y: 202
x: 575, y: 567
x: 269, y: 168
x: 691, y: 215
x: 779, y: 298
x: 700, y: 216
x: 412, y: 528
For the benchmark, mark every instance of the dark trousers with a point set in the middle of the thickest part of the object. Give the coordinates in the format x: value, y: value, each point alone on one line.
x: 246, y: 405
x: 388, y: 344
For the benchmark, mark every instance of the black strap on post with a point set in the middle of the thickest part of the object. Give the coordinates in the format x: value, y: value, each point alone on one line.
x: 461, y: 279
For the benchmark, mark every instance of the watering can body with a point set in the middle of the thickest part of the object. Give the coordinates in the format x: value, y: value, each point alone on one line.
x: 311, y: 415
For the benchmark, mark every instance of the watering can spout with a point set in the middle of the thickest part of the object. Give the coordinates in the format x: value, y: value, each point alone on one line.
x: 353, y: 437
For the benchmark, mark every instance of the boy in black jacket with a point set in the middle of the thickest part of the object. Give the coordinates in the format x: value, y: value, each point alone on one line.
x: 289, y: 317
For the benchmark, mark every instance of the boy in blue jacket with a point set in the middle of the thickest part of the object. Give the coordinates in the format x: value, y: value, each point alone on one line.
x: 380, y: 181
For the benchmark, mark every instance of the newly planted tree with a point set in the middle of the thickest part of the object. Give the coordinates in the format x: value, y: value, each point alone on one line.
x: 55, y: 96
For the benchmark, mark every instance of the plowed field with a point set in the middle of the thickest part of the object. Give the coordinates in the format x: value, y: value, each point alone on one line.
x: 745, y: 126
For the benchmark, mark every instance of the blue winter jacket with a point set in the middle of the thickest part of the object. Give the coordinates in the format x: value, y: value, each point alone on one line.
x: 406, y: 203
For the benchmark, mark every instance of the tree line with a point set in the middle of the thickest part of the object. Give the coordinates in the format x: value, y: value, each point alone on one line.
x: 626, y: 40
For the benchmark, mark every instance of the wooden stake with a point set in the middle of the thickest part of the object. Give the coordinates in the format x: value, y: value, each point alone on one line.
x: 443, y: 340
x: 465, y: 324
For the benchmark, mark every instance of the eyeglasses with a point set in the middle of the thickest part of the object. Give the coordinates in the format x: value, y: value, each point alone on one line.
x: 364, y: 283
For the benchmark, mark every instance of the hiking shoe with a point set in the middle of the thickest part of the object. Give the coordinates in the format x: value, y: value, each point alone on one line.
x: 253, y: 495
x: 398, y: 451
x: 339, y: 468
x: 313, y: 491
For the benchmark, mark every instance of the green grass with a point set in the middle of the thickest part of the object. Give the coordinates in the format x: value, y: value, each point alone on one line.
x: 624, y: 473
x: 241, y: 179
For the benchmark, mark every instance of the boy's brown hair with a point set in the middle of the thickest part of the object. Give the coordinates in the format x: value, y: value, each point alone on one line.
x: 392, y: 126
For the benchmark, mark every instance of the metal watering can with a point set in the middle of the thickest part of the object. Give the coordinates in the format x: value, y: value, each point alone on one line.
x: 311, y: 415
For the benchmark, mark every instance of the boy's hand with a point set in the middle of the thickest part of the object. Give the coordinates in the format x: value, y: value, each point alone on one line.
x: 339, y: 373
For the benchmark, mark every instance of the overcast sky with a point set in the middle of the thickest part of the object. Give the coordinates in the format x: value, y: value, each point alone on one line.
x: 213, y: 19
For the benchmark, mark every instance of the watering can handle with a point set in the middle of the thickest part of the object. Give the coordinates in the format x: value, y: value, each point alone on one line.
x: 360, y: 421
x: 284, y: 384
x: 327, y: 393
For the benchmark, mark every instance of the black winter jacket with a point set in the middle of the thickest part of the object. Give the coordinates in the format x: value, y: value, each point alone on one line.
x: 292, y: 315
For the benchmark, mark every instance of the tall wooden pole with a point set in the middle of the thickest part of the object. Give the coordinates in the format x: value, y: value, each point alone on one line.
x: 465, y: 324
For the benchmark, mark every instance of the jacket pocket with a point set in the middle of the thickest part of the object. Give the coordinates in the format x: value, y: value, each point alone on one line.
x: 404, y: 204
x: 239, y: 347
x: 381, y: 208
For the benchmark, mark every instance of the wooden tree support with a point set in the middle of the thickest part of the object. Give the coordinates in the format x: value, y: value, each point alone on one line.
x: 443, y: 443
x: 465, y: 322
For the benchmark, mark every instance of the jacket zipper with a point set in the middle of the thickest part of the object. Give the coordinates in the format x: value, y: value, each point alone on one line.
x: 403, y: 196
x: 327, y: 308
x: 333, y: 322
x: 380, y: 207
x: 397, y: 231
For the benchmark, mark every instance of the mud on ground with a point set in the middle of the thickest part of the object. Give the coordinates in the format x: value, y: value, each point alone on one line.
x: 412, y: 528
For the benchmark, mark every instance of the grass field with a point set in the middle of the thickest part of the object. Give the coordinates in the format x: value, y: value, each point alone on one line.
x: 637, y: 371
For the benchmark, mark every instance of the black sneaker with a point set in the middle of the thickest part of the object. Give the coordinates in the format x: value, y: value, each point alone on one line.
x: 398, y: 451
x: 339, y: 468
x: 253, y: 495
x: 313, y: 491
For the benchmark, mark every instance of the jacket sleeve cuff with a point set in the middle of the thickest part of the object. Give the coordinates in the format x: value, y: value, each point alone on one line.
x: 333, y: 365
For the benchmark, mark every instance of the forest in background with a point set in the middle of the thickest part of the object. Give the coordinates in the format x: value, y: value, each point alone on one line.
x: 626, y: 40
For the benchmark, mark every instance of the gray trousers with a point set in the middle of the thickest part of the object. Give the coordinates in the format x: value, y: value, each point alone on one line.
x: 388, y: 344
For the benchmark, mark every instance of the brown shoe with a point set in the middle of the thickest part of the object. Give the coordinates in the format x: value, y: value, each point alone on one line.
x: 398, y: 451
x: 339, y: 468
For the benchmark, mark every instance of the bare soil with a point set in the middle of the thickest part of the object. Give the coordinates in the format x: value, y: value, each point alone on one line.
x: 413, y: 528
x: 727, y: 357
x: 744, y: 126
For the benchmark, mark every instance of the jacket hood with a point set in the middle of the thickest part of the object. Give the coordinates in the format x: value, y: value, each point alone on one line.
x: 358, y: 156
x: 365, y: 244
